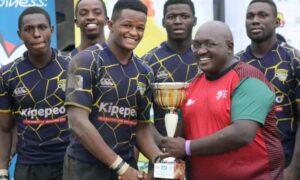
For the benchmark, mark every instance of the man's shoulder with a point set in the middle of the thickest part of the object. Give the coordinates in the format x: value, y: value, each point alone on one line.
x: 143, y: 67
x: 88, y: 56
x: 5, y: 69
x: 290, y: 50
x: 239, y: 55
x: 153, y: 52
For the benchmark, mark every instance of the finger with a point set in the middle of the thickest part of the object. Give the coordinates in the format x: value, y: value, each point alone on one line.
x: 140, y: 175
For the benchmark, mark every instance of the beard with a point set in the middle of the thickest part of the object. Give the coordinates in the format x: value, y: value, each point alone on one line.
x: 262, y: 38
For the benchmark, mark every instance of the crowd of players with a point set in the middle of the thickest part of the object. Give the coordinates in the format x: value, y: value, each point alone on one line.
x: 83, y: 115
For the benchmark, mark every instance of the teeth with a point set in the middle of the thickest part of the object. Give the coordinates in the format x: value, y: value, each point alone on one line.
x: 204, y: 59
x: 91, y: 26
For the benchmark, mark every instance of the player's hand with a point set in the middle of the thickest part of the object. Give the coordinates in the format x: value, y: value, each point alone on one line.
x: 174, y: 147
x: 133, y: 174
x: 291, y: 173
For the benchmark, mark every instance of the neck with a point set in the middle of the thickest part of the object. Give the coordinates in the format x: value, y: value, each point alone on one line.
x: 122, y: 54
x: 40, y: 61
x: 179, y: 46
x: 85, y: 42
x: 219, y: 73
x: 260, y: 49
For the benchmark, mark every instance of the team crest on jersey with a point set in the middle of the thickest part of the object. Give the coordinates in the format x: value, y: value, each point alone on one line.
x: 141, y: 87
x: 61, y: 84
x: 162, y: 75
x: 20, y: 91
x: 281, y: 74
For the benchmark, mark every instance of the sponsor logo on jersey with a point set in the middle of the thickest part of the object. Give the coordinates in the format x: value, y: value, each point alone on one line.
x: 221, y: 94
x: 106, y: 82
x: 20, y: 91
x: 43, y: 116
x: 190, y: 102
x: 281, y: 74
x: 43, y: 113
x: 117, y: 111
x: 162, y: 75
x: 75, y: 82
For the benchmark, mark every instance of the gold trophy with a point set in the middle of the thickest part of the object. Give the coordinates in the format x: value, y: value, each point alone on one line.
x: 169, y: 96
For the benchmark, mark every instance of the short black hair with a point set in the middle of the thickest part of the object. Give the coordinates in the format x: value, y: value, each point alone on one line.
x: 33, y: 10
x: 171, y: 2
x: 103, y: 5
x: 136, y: 5
x: 270, y: 2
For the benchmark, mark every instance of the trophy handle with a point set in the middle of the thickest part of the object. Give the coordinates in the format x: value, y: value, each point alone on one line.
x: 171, y: 120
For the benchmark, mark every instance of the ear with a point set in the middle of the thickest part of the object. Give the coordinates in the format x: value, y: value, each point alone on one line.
x: 230, y: 46
x: 106, y: 21
x: 277, y: 23
x: 19, y: 34
x: 195, y: 21
x: 163, y: 22
x: 110, y: 24
x: 52, y: 29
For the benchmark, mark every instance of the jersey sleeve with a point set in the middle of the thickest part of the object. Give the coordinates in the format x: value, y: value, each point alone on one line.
x: 252, y: 100
x: 145, y: 100
x: 5, y: 97
x: 80, y: 81
x: 296, y: 65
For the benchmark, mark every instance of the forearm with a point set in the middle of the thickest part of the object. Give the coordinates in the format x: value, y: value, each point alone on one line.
x: 156, y: 135
x: 5, y: 147
x: 227, y: 139
x: 146, y: 141
x: 90, y: 138
x: 296, y: 156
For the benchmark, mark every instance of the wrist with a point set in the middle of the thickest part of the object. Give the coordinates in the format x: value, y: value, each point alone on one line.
x: 3, y: 174
x: 188, y: 147
x: 119, y: 165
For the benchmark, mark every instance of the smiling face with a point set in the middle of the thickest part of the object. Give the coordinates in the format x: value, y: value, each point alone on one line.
x: 128, y: 29
x: 213, y: 48
x: 179, y: 21
x: 90, y: 18
x: 260, y: 22
x: 35, y: 32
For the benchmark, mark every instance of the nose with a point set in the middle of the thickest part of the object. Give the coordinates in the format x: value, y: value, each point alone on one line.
x: 200, y: 51
x: 133, y: 31
x: 255, y: 20
x: 91, y: 15
x: 36, y: 33
x: 177, y: 19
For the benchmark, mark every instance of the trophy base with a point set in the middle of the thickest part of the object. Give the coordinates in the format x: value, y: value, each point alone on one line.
x: 169, y: 170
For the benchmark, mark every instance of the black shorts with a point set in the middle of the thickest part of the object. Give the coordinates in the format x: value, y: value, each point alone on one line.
x: 39, y: 172
x: 78, y: 170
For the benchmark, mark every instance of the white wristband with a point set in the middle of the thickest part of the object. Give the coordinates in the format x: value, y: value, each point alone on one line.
x: 115, y: 164
x: 3, y: 174
x: 123, y: 169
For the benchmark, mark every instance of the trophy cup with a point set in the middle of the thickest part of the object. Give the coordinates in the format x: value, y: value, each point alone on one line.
x: 169, y: 96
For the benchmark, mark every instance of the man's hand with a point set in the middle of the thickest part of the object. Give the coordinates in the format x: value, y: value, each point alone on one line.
x: 133, y: 174
x: 174, y: 147
x: 291, y: 173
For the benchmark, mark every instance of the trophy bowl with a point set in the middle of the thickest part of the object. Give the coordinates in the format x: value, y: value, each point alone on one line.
x: 169, y: 95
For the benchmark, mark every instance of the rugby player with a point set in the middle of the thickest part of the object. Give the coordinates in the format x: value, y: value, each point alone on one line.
x: 280, y: 64
x: 108, y: 101
x: 32, y: 94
